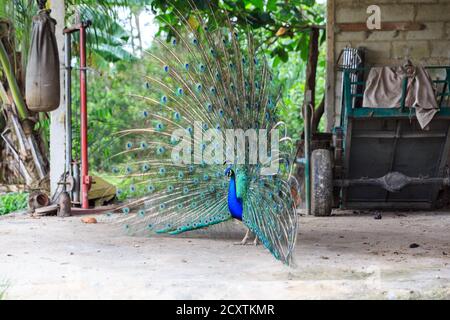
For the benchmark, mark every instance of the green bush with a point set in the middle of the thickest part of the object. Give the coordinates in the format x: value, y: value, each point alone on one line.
x: 13, y: 202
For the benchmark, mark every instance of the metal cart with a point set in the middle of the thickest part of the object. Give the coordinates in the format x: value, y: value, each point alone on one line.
x: 380, y: 157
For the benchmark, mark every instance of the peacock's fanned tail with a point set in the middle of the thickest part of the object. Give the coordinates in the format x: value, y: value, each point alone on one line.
x: 209, y: 75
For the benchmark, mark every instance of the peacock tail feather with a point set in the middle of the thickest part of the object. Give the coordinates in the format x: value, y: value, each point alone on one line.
x: 210, y: 76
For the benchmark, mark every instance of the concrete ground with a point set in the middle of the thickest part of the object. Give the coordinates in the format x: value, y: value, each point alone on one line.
x: 347, y: 256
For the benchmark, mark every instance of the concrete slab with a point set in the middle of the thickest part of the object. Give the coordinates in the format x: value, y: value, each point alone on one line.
x: 348, y: 256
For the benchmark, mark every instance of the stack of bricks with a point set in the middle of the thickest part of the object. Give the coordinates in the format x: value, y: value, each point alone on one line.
x: 430, y: 46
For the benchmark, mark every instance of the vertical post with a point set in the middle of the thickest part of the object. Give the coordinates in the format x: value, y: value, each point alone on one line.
x: 330, y: 101
x: 404, y: 93
x: 307, y: 125
x: 68, y: 67
x: 57, y: 117
x: 85, y: 179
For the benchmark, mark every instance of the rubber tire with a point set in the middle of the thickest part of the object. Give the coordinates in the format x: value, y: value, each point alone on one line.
x: 321, y: 183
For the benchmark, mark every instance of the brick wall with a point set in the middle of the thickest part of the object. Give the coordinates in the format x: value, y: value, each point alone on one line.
x: 430, y: 46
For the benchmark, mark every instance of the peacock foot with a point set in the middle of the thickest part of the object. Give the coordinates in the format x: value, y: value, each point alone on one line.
x: 244, y: 240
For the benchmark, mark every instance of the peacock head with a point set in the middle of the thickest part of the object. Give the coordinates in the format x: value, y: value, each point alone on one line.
x: 229, y: 172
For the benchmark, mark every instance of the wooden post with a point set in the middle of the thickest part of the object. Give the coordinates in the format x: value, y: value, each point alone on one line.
x: 330, y: 86
x: 311, y: 66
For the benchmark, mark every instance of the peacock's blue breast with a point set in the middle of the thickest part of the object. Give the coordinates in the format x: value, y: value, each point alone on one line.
x: 234, y: 203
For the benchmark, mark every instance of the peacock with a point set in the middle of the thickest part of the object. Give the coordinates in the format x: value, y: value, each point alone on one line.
x: 187, y: 159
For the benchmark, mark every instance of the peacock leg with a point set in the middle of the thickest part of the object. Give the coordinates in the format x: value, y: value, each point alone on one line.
x: 256, y: 241
x: 244, y: 241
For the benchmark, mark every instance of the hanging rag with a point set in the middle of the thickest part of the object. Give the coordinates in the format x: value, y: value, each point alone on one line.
x: 42, y: 89
x: 384, y: 90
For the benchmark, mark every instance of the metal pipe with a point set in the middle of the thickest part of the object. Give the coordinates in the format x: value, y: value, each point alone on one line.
x: 392, y: 182
x: 85, y: 179
x: 68, y: 84
x: 76, y: 182
x: 307, y: 125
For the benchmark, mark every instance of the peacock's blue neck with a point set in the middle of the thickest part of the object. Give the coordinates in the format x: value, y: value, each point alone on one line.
x: 234, y: 203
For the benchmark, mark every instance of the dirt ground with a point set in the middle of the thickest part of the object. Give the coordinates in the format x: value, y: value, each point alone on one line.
x: 347, y: 256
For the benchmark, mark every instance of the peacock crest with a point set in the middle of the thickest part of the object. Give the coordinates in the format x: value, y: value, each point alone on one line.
x: 205, y: 144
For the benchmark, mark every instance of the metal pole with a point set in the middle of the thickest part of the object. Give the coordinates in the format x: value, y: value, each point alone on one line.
x: 76, y: 182
x: 307, y: 125
x: 85, y: 179
x: 68, y: 59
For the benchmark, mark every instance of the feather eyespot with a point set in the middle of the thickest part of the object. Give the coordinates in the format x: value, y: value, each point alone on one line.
x: 159, y: 126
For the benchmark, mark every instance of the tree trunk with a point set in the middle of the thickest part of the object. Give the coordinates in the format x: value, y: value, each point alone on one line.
x: 138, y: 28
x: 311, y: 67
x: 318, y: 113
x: 311, y: 74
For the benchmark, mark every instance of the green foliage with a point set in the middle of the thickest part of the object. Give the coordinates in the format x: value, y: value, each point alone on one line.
x: 112, y: 108
x: 13, y: 202
x: 291, y: 76
x: 282, y: 30
x: 107, y: 36
x: 20, y: 12
x: 280, y: 26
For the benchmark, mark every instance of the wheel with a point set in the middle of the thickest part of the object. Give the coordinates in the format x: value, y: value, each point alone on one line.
x: 321, y: 183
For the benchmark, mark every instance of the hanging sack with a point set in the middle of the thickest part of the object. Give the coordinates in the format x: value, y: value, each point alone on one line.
x: 42, y: 88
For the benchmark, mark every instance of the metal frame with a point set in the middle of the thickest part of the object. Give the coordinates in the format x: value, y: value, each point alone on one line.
x: 392, y: 181
x: 86, y: 180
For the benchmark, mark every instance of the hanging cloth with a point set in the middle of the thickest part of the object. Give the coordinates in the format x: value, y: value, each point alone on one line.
x: 384, y: 90
x: 42, y: 88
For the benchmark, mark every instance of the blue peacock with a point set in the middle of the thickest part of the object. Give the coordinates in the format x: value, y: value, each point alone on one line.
x: 210, y: 76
